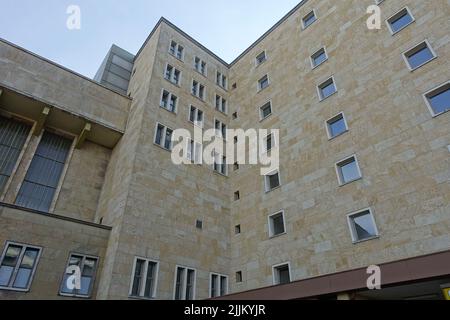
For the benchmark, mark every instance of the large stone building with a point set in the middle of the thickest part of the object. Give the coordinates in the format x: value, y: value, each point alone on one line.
x: 86, y: 177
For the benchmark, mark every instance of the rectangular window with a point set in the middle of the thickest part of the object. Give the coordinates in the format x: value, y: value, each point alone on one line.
x: 309, y: 19
x: 269, y: 142
x: 144, y: 278
x: 239, y: 276
x: 184, y: 284
x: 196, y: 116
x: 221, y: 104
x: 13, y: 135
x: 281, y: 274
x: 221, y: 80
x: 218, y: 285
x: 198, y: 90
x: 419, y: 55
x: 221, y: 129
x: 200, y: 66
x: 326, y: 89
x: 18, y: 265
x: 362, y: 225
x: 88, y: 268
x: 263, y: 83
x: 400, y: 20
x: 276, y: 224
x: 194, y: 151
x: 438, y: 100
x: 272, y: 181
x: 163, y: 136
x: 348, y: 170
x: 265, y: 110
x: 220, y: 163
x: 318, y: 58
x: 261, y: 58
x: 172, y: 74
x: 43, y: 176
x: 168, y: 101
x: 336, y: 126
x: 237, y: 229
x: 176, y: 50
x: 237, y: 195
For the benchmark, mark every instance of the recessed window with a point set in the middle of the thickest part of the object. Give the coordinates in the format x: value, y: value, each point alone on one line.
x: 239, y: 276
x: 438, y: 100
x: 281, y: 274
x: 348, y: 170
x: 200, y: 66
x: 218, y: 285
x: 198, y: 90
x: 236, y: 166
x: 144, y: 278
x: 263, y: 83
x: 260, y: 58
x: 194, y: 151
x: 221, y: 80
x: 272, y: 181
x: 237, y: 229
x: 319, y: 57
x: 419, y: 55
x: 265, y: 110
x: 400, y: 20
x: 336, y: 126
x: 176, y: 50
x: 237, y: 196
x: 163, y: 136
x: 168, y: 101
x: 221, y: 129
x: 196, y: 116
x: 88, y: 267
x: 221, y: 104
x: 172, y: 74
x: 327, y: 89
x: 18, y: 265
x: 276, y: 224
x: 184, y: 284
x: 362, y: 225
x: 13, y: 135
x: 199, y: 224
x: 235, y: 115
x: 220, y: 164
x: 42, y: 179
x: 269, y: 142
x: 309, y: 19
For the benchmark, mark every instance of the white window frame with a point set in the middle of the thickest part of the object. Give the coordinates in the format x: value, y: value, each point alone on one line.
x: 163, y: 138
x: 199, y: 124
x: 275, y: 275
x: 271, y: 226
x: 144, y: 282
x: 17, y: 266
x: 221, y: 125
x: 199, y: 71
x: 430, y: 92
x: 195, y: 155
x: 219, y: 276
x: 177, y: 47
x: 221, y: 83
x: 222, y: 99
x: 311, y: 58
x: 172, y: 75
x: 313, y: 11
x: 320, y: 85
x: 169, y: 101
x: 266, y: 150
x: 267, y: 183
x: 350, y: 223
x: 199, y: 85
x: 194, y: 286
x: 388, y: 20
x: 339, y: 171
x: 91, y: 289
x: 260, y: 111
x: 220, y: 155
x: 327, y: 126
x: 257, y: 63
x: 405, y: 53
x: 258, y: 84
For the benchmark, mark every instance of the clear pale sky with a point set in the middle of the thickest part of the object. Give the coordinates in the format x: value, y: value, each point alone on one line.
x: 227, y: 27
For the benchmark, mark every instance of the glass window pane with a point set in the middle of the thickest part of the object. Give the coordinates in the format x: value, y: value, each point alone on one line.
x: 137, y: 277
x: 401, y: 22
x: 178, y: 284
x: 440, y: 102
x: 274, y: 181
x: 190, y: 285
x: 337, y: 126
x: 364, y: 226
x: 149, y: 280
x: 223, y: 286
x: 420, y: 57
x: 11, y: 255
x: 85, y: 286
x: 22, y: 278
x: 5, y: 275
x: 349, y: 171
